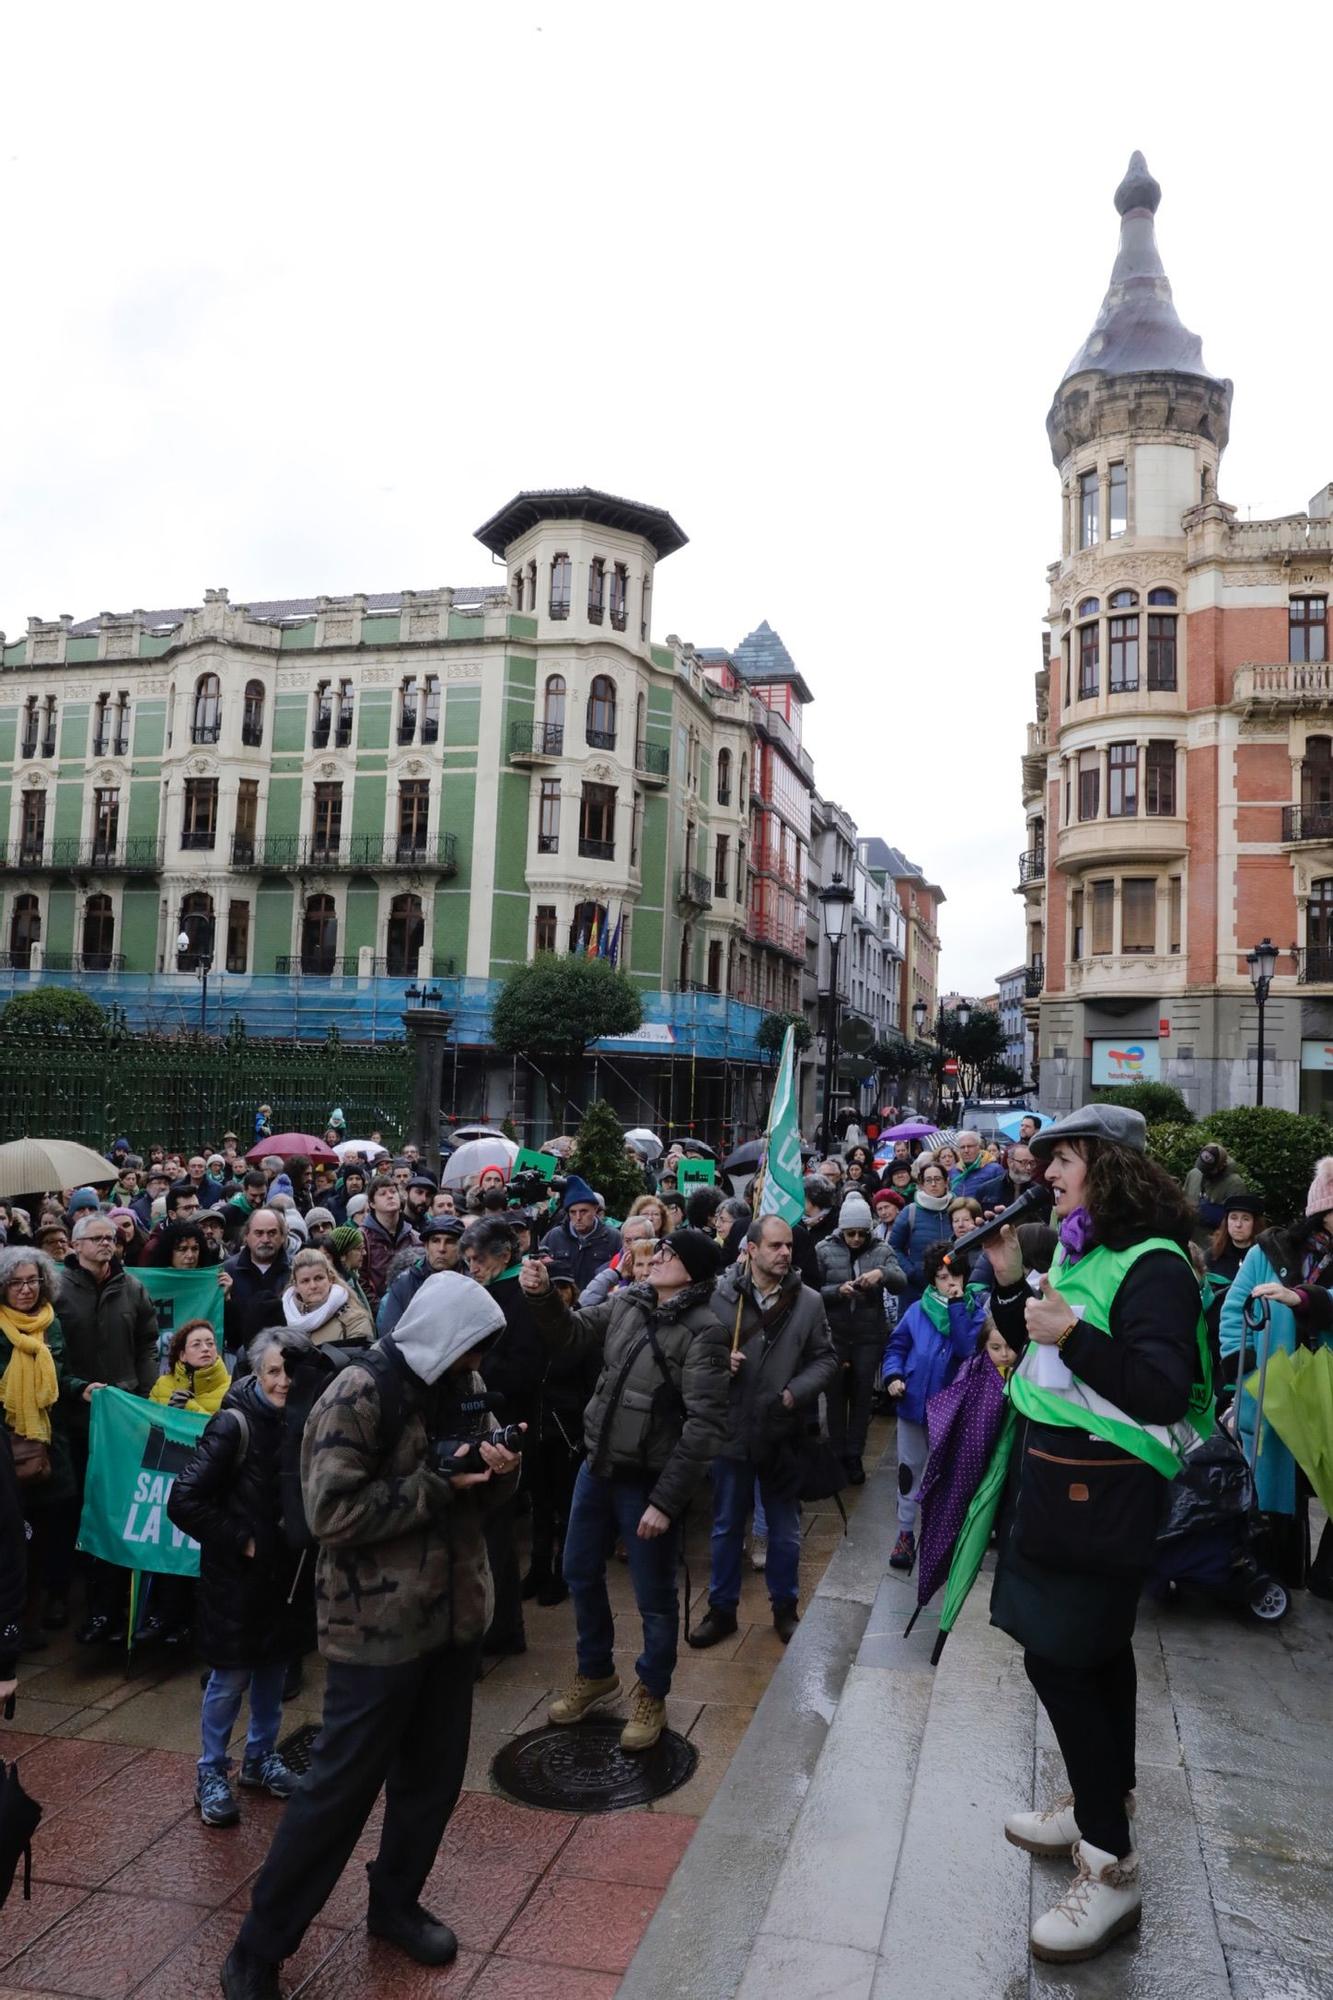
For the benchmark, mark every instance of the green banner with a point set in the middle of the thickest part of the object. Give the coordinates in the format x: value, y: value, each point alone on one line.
x: 784, y: 1184
x: 544, y: 1164
x: 135, y: 1450
x: 182, y: 1295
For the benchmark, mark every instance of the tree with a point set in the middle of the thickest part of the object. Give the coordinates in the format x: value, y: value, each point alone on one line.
x: 53, y: 1010
x: 977, y: 1048
x: 600, y: 1157
x: 556, y: 1006
x: 1275, y: 1150
x: 1160, y: 1103
x: 772, y: 1031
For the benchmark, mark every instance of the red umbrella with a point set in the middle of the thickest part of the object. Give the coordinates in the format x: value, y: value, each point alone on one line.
x: 293, y: 1145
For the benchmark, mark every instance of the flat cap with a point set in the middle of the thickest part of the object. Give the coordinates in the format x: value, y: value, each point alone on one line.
x: 1114, y: 1124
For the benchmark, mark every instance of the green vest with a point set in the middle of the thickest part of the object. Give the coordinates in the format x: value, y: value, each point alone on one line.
x: 1090, y: 1286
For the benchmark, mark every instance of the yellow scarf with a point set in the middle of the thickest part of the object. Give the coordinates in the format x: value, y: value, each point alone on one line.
x: 30, y: 1385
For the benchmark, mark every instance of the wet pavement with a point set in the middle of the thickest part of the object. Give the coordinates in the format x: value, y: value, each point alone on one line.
x: 132, y: 1896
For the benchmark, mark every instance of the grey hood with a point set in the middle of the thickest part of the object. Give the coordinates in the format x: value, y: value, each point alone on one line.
x: 449, y: 1316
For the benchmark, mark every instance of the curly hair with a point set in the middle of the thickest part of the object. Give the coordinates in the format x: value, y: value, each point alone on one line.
x: 1128, y: 1196
x: 176, y: 1345
x: 48, y: 1271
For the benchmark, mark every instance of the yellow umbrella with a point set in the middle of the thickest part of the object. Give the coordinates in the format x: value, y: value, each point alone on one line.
x: 34, y: 1166
x: 1298, y: 1403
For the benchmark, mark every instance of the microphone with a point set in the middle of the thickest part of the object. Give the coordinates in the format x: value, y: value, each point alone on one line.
x: 1033, y: 1197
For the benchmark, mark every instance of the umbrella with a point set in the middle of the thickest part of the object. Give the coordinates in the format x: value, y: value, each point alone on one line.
x: 1298, y: 1403
x: 751, y: 1153
x: 911, y: 1128
x: 34, y: 1166
x: 647, y: 1142
x: 963, y: 1422
x: 974, y: 1534
x: 476, y: 1156
x: 361, y: 1149
x: 459, y: 1135
x: 1009, y: 1124
x: 293, y: 1146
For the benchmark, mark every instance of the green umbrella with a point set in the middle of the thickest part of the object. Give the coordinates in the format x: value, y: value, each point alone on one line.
x: 975, y: 1534
x: 1298, y: 1403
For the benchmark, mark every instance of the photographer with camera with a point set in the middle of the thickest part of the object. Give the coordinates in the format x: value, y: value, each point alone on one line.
x: 400, y: 1464
x: 656, y: 1417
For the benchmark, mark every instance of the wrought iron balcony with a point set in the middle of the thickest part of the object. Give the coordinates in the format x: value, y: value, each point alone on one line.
x: 1314, y: 965
x: 205, y: 732
x: 652, y: 760
x: 283, y: 852
x: 1032, y: 865
x: 536, y: 739
x: 84, y: 961
x: 1034, y: 978
x: 349, y: 966
x: 136, y: 855
x: 692, y: 887
x: 600, y: 739
x: 252, y: 735
x: 1307, y: 823
x: 597, y: 850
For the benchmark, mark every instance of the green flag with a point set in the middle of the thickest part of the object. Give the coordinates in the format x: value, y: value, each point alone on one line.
x: 182, y: 1295
x: 135, y: 1450
x: 784, y: 1184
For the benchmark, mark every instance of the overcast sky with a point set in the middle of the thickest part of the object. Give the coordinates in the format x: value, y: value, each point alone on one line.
x: 297, y: 296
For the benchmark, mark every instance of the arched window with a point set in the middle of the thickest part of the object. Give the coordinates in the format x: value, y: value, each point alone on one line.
x: 206, y: 721
x: 724, y: 777
x: 1123, y: 600
x: 406, y: 934
x: 1161, y: 597
x: 99, y: 931
x: 1317, y: 789
x: 601, y: 730
x: 25, y: 930
x: 715, y: 966
x: 252, y: 724
x: 586, y: 915
x: 562, y: 585
x: 742, y: 795
x: 319, y: 935
x: 553, y: 715
x: 1089, y: 608
x: 196, y: 924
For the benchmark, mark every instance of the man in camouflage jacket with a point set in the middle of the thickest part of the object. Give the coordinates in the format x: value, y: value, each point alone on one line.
x: 404, y: 1595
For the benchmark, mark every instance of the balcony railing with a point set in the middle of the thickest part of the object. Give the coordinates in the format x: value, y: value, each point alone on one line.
x: 767, y: 928
x: 196, y: 838
x: 654, y: 758
x: 548, y: 843
x: 1032, y: 865
x: 1314, y: 965
x: 205, y: 732
x: 536, y: 739
x: 136, y: 855
x: 693, y: 887
x: 350, y: 966
x: 283, y: 852
x: 600, y: 739
x: 597, y: 850
x: 1034, y: 978
x: 64, y: 961
x: 1307, y: 823
x: 252, y: 735
x: 1294, y: 683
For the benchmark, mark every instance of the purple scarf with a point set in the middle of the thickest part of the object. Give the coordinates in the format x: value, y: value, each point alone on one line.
x: 1076, y: 1235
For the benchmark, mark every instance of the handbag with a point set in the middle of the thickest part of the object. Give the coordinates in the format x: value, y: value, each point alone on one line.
x: 32, y: 1459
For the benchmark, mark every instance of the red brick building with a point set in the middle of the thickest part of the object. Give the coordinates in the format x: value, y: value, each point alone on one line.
x: 1178, y: 779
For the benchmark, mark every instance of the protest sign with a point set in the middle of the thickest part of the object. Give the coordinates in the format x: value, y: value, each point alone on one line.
x: 181, y: 1295
x: 135, y: 1450
x: 696, y: 1170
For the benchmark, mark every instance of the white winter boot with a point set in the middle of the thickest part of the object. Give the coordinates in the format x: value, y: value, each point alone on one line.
x: 1053, y: 1831
x: 1101, y: 1904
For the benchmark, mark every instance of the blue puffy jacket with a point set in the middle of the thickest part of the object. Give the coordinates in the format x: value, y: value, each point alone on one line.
x: 911, y: 1236
x: 985, y: 1182
x: 927, y: 1359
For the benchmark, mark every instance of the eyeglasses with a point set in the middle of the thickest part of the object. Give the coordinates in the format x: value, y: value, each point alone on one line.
x: 25, y: 1284
x: 97, y: 1239
x: 662, y: 1250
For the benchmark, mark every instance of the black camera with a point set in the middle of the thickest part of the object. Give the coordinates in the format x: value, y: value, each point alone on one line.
x: 527, y: 1188
x: 450, y: 1460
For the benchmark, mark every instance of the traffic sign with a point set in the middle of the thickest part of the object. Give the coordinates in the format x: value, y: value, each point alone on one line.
x: 951, y: 1067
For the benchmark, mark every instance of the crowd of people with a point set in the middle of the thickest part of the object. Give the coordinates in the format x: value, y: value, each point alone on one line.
x: 407, y: 1372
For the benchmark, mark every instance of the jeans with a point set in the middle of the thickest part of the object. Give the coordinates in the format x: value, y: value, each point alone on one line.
x: 848, y: 1400
x: 734, y: 1485
x: 913, y: 1451
x: 602, y: 1510
x: 1092, y: 1711
x: 405, y: 1728
x: 222, y: 1704
x: 760, y: 1517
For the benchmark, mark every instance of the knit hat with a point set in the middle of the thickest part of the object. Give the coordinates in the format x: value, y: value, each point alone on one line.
x: 318, y: 1218
x: 358, y: 1204
x: 578, y: 1190
x: 344, y: 1236
x: 1320, y: 1198
x: 855, y: 1214
x: 84, y: 1197
x: 700, y: 1254
x: 888, y: 1198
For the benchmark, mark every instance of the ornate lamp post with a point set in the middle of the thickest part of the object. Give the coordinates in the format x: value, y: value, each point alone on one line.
x: 1262, y: 962
x: 836, y: 902
x: 203, y: 961
x: 964, y: 1013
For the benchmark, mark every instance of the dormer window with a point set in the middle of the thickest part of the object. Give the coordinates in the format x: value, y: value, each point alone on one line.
x: 562, y: 586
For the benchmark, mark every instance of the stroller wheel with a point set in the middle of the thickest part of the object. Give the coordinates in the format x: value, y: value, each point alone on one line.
x: 1269, y: 1601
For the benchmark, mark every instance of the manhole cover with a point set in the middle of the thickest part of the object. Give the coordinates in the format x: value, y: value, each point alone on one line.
x: 295, y: 1749
x: 584, y: 1769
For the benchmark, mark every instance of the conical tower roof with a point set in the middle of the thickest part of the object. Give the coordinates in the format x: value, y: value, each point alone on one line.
x: 1138, y: 329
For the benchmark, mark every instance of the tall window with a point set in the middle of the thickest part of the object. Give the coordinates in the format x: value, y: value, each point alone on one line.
x: 1123, y: 638
x: 407, y: 711
x: 31, y: 728
x: 430, y: 714
x: 1161, y: 643
x: 121, y: 743
x: 102, y: 726
x: 1138, y: 914
x: 1173, y: 913
x: 742, y: 795
x: 25, y: 930
x: 1089, y: 656
x: 1119, y: 520
x: 206, y: 717
x: 323, y: 723
x: 1089, y: 784
x: 1076, y: 924
x: 196, y: 925
x: 597, y: 822
x: 601, y: 728
x: 32, y: 827
x: 1307, y: 629
x: 532, y: 586
x: 715, y: 965
x: 562, y: 585
x: 721, y: 864
x: 1103, y: 910
x: 99, y: 934
x: 619, y: 596
x: 635, y: 829
x: 596, y: 591
x: 1159, y: 780
x: 238, y: 937
x: 1122, y: 780
x: 199, y: 819
x: 326, y: 826
x: 343, y: 716
x: 543, y: 929
x: 405, y: 936
x: 106, y: 823
x: 49, y: 726
x: 548, y: 817
x: 686, y: 955
x: 319, y: 936
x: 252, y: 715
x: 1089, y: 510
x: 724, y: 777
x: 247, y: 817
x: 553, y: 714
x: 413, y: 817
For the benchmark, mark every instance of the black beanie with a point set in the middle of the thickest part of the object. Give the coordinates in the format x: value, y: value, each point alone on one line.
x: 700, y: 1254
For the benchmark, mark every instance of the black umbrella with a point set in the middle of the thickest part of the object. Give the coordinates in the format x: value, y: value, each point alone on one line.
x: 750, y: 1154
x: 19, y: 1817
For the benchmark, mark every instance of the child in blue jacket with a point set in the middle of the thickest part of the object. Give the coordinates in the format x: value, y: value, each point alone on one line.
x: 928, y: 1346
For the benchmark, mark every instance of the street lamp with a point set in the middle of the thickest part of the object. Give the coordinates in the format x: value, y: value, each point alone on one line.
x: 836, y: 902
x: 203, y: 963
x: 919, y: 1011
x: 1262, y: 962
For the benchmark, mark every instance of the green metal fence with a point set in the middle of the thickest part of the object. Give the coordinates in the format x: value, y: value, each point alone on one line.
x: 188, y: 1090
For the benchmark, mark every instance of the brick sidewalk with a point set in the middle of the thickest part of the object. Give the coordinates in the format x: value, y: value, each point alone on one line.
x: 132, y: 1895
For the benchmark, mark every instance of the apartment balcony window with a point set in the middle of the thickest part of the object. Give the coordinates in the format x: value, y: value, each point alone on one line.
x: 405, y: 936
x: 597, y: 822
x: 206, y: 715
x: 413, y: 817
x: 562, y: 586
x: 252, y: 715
x: 319, y: 936
x: 238, y: 937
x: 430, y: 713
x: 323, y: 723
x: 342, y: 736
x: 31, y: 727
x: 1122, y: 781
x: 199, y: 821
x: 548, y: 817
x: 619, y: 597
x: 25, y: 931
x: 106, y: 823
x: 1138, y: 915
x: 1307, y: 629
x: 600, y: 729
x: 1089, y: 509
x: 1089, y: 784
x: 326, y: 823
x: 1123, y: 639
x: 1089, y: 654
x: 99, y: 934
x: 1118, y: 519
x: 32, y: 828
x: 596, y: 591
x: 1159, y: 771
x: 407, y: 712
